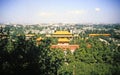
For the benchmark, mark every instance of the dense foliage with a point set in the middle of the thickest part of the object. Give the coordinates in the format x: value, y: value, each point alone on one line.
x: 19, y: 56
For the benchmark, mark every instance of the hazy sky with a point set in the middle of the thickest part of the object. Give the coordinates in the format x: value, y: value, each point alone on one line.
x: 59, y: 11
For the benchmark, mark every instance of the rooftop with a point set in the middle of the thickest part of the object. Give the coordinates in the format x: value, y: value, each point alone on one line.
x: 63, y: 40
x: 66, y: 47
x: 39, y: 39
x: 62, y: 32
x: 99, y: 34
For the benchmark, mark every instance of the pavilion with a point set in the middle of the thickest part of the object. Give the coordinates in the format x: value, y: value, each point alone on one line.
x: 99, y: 34
x: 63, y: 41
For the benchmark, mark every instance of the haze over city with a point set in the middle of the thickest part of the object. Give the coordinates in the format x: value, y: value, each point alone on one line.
x: 59, y: 11
x: 59, y: 37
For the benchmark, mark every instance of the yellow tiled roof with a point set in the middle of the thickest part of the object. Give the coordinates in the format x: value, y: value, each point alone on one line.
x: 63, y: 40
x: 62, y: 32
x: 99, y: 34
x: 38, y: 39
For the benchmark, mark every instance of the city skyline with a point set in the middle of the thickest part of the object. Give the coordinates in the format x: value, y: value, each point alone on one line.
x: 59, y: 11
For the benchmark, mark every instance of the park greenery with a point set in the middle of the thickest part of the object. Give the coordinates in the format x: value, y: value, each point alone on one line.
x: 19, y: 56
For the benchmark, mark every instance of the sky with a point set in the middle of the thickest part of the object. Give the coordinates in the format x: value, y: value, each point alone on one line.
x: 59, y: 11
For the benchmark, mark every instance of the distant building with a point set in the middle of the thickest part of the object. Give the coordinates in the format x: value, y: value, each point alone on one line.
x: 99, y: 34
x: 63, y: 41
x: 38, y: 41
x: 62, y: 34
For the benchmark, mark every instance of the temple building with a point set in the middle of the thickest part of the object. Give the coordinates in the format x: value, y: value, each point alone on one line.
x: 38, y: 40
x: 63, y: 41
x: 99, y: 34
x: 62, y: 34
